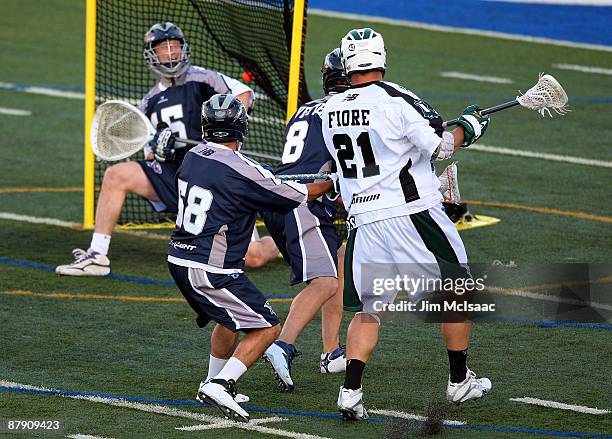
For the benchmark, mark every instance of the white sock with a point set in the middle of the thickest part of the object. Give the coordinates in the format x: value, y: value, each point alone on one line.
x: 100, y: 243
x: 215, y: 365
x: 233, y: 369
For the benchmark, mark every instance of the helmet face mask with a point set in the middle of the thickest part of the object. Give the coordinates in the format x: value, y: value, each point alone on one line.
x: 363, y: 50
x: 160, y: 50
x: 224, y: 120
x: 332, y: 73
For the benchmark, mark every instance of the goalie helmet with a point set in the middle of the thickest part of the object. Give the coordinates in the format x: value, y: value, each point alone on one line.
x: 363, y: 50
x: 332, y: 73
x: 224, y: 119
x: 164, y: 32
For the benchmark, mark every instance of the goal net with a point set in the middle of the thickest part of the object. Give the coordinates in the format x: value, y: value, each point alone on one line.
x: 249, y: 40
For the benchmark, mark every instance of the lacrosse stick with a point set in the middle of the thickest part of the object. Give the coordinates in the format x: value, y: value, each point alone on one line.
x: 543, y: 96
x: 322, y: 176
x: 119, y: 130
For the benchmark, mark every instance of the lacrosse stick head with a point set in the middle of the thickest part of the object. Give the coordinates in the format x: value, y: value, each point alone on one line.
x: 547, y: 94
x: 119, y: 130
x: 449, y: 184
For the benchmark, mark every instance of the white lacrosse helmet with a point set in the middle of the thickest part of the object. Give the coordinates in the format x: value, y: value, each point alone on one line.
x: 363, y: 49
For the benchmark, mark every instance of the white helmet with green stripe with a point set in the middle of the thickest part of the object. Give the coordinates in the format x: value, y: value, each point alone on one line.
x: 363, y: 49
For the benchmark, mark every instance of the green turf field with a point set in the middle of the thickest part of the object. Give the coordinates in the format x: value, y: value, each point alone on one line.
x: 133, y: 337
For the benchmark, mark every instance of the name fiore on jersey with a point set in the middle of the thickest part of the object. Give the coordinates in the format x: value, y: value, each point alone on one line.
x: 219, y: 192
x: 382, y: 137
x: 180, y: 106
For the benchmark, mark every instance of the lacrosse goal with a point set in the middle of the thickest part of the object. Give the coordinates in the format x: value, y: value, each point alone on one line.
x: 260, y: 42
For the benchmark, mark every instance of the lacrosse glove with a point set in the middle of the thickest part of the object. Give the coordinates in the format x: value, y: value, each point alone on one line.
x: 162, y: 144
x: 474, y: 124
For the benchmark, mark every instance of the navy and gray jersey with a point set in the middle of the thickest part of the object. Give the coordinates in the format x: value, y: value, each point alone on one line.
x: 305, y: 151
x: 179, y: 104
x: 219, y: 194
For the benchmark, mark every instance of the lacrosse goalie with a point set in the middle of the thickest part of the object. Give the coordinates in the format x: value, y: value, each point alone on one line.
x: 173, y: 106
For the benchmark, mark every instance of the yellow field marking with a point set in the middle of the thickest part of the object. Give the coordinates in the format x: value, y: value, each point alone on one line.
x: 26, y: 293
x: 21, y: 190
x: 141, y: 234
x: 544, y: 210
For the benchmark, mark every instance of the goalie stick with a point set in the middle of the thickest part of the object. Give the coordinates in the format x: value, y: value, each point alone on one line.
x: 119, y: 130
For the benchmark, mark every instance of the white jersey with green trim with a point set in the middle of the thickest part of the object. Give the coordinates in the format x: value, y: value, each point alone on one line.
x: 382, y: 137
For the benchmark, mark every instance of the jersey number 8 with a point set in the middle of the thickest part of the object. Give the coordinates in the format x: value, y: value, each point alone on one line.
x: 192, y: 216
x: 296, y: 135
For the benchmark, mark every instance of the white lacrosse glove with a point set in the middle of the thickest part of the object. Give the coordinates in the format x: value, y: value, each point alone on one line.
x: 163, y: 144
x: 446, y: 148
x: 334, y: 192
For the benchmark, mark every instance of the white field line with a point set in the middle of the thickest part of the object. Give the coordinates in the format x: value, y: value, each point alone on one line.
x: 548, y: 298
x: 86, y: 436
x: 404, y: 415
x: 540, y: 155
x: 562, y: 406
x: 456, y: 30
x: 584, y: 69
x: 479, y: 78
x: 45, y: 91
x: 170, y: 411
x: 14, y: 112
x: 38, y: 220
x: 224, y: 424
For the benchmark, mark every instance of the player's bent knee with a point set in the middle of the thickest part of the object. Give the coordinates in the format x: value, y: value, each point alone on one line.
x: 369, y: 316
x: 326, y: 285
x: 121, y: 175
x: 254, y: 257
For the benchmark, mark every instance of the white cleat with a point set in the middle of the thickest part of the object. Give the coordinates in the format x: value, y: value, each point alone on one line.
x: 239, y: 398
x: 470, y: 388
x: 280, y: 359
x: 333, y: 362
x: 86, y: 263
x: 350, y: 404
x: 221, y: 393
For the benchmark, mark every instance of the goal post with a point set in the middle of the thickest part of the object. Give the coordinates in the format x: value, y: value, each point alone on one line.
x: 90, y: 102
x: 258, y: 42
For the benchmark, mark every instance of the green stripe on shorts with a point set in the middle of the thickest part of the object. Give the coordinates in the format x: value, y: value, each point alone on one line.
x: 436, y: 242
x: 351, y: 298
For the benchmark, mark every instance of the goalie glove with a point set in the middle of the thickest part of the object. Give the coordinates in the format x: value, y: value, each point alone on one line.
x: 162, y: 144
x: 474, y: 124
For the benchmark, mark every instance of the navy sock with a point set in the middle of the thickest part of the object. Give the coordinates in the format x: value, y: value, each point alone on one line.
x: 354, y: 371
x: 457, y: 361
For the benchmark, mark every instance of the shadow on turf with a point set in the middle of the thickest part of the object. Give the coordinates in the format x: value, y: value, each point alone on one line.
x: 433, y: 425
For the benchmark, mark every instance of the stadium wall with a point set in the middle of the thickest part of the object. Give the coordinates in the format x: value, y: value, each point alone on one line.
x: 587, y: 22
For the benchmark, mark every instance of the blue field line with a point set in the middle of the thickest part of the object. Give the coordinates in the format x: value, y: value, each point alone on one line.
x: 572, y: 100
x: 119, y: 277
x: 576, y: 23
x: 146, y: 281
x: 333, y: 416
